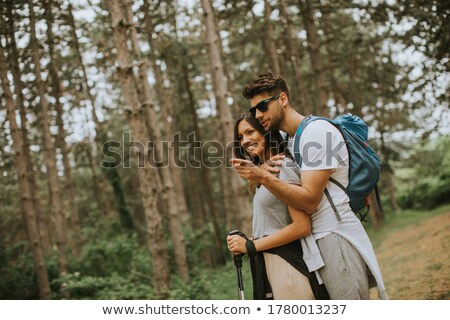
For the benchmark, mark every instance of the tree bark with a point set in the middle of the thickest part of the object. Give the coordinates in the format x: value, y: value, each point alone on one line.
x: 163, y: 96
x: 49, y: 155
x: 316, y: 61
x: 376, y: 215
x: 205, y: 208
x: 100, y: 138
x: 235, y: 194
x: 270, y: 41
x: 41, y: 216
x: 25, y: 192
x: 146, y: 174
x: 176, y: 231
x: 57, y: 90
x: 295, y: 60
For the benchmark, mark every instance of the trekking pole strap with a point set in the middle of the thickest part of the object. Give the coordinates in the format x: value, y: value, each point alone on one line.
x: 250, y: 247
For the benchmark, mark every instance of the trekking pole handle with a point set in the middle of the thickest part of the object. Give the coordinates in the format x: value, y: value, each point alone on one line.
x: 237, y: 232
x: 238, y: 263
x: 237, y: 257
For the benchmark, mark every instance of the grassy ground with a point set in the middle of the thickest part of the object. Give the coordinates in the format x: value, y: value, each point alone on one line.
x: 412, y: 247
x: 413, y: 250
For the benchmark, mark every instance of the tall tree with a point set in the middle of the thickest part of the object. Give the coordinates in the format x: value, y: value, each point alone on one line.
x: 109, y: 172
x: 198, y: 179
x: 168, y: 191
x: 270, y: 40
x: 294, y: 55
x: 49, y: 153
x: 25, y: 192
x: 321, y: 95
x: 146, y: 174
x: 58, y: 91
x: 41, y: 216
x: 163, y: 97
x: 234, y: 191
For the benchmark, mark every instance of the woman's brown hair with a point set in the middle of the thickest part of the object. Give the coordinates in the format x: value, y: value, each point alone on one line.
x: 273, y: 141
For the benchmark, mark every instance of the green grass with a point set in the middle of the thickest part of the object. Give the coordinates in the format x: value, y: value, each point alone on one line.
x: 222, y: 282
x: 394, y: 221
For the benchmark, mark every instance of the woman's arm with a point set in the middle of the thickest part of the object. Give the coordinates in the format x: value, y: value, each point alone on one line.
x: 300, y: 227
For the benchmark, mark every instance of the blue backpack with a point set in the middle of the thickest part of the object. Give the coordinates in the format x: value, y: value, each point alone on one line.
x: 365, y: 165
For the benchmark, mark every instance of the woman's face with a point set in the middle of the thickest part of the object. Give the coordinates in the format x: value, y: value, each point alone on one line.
x: 250, y: 139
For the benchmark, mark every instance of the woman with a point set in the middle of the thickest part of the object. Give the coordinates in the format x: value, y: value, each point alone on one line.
x: 275, y: 250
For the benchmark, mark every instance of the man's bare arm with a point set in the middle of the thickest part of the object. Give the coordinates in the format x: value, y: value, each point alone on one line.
x: 305, y: 197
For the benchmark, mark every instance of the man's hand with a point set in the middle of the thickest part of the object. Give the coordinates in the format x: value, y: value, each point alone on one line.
x: 272, y: 164
x: 248, y: 170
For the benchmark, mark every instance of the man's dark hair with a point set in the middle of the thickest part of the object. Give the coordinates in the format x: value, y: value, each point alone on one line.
x: 266, y: 82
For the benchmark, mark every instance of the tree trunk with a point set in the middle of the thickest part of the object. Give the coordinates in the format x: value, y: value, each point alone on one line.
x: 392, y: 190
x: 176, y: 231
x: 146, y: 174
x: 57, y: 90
x: 271, y: 45
x: 41, y: 216
x: 376, y: 215
x: 316, y: 61
x: 389, y: 172
x: 235, y: 194
x: 100, y: 138
x: 207, y: 208
x: 339, y: 98
x: 49, y: 155
x: 294, y: 58
x: 163, y: 96
x: 25, y: 192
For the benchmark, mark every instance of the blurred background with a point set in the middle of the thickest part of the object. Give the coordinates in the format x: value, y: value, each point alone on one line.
x: 117, y: 116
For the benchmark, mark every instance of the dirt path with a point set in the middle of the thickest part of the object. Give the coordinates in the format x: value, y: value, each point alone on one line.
x: 415, y: 261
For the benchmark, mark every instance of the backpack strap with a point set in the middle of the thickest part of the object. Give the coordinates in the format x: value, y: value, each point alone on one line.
x: 338, y: 184
x: 377, y: 194
x: 336, y: 213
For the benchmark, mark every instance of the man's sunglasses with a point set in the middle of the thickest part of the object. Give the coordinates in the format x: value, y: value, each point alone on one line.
x: 263, y: 105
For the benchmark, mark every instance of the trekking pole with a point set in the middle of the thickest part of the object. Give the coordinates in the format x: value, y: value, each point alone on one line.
x: 238, y: 264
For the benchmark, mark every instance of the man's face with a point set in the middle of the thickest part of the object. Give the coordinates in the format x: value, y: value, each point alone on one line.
x: 268, y: 110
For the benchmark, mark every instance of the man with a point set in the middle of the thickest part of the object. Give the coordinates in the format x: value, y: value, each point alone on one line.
x: 346, y: 259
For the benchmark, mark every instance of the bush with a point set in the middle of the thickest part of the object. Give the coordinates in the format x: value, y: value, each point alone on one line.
x: 428, y: 184
x: 111, y: 287
x: 18, y: 280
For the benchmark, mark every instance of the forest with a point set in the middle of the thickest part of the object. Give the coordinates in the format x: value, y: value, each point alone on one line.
x: 117, y: 116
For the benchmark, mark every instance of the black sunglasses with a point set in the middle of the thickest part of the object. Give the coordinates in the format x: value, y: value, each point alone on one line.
x: 263, y: 105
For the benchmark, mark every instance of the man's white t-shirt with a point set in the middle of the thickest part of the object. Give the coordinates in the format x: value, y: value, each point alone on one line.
x: 323, y: 147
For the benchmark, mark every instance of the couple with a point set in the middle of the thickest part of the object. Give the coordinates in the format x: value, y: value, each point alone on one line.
x: 331, y: 254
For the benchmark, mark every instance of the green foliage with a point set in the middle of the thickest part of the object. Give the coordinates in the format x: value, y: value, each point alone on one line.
x: 115, y: 254
x: 427, y: 183
x: 195, y: 289
x: 110, y: 287
x: 17, y: 279
x: 112, y: 267
x: 222, y: 282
